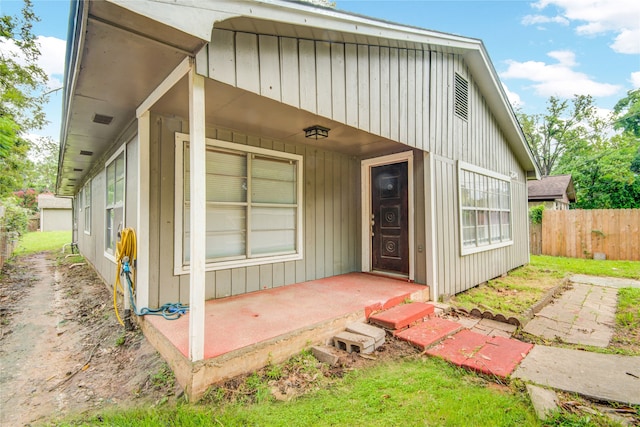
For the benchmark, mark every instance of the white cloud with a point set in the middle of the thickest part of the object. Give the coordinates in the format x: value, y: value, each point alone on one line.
x: 635, y: 79
x: 599, y: 17
x: 558, y: 79
x: 542, y: 19
x: 514, y: 98
x: 51, y: 60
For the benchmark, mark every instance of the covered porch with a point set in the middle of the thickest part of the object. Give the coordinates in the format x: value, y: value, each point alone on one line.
x: 246, y: 332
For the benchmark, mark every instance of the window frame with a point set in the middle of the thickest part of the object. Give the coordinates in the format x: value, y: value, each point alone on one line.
x: 468, y: 250
x: 108, y: 252
x: 181, y: 267
x: 86, y: 207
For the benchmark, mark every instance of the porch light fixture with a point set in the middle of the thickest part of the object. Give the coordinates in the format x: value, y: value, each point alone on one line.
x: 316, y: 132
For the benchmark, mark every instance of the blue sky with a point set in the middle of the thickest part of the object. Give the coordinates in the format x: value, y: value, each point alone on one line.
x: 539, y: 48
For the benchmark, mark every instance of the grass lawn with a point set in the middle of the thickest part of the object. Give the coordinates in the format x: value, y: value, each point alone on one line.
x: 42, y: 241
x: 515, y: 293
x: 412, y: 392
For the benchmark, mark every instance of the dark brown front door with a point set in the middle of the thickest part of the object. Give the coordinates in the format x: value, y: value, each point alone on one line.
x: 390, y: 219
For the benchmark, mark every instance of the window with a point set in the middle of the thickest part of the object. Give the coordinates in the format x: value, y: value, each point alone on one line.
x: 253, y: 205
x: 114, y: 207
x: 485, y: 209
x: 86, y: 204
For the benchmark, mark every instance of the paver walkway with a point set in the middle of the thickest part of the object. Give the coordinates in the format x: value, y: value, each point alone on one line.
x: 584, y: 314
x: 610, y: 282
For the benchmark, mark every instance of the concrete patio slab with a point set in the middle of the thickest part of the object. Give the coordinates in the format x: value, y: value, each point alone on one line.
x: 607, y: 377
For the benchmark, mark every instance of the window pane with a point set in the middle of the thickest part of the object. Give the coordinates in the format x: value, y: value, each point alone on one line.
x: 481, y: 191
x: 494, y: 196
x: 495, y: 226
x: 111, y: 184
x: 226, y: 179
x: 483, y: 227
x: 469, y: 228
x: 226, y: 231
x: 273, y: 181
x: 273, y: 230
x: 506, y: 225
x: 109, y: 242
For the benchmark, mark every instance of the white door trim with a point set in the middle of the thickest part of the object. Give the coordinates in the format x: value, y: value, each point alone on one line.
x: 365, y: 173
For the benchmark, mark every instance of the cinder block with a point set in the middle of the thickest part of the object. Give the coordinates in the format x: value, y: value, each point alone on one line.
x: 325, y: 355
x: 350, y: 342
x: 377, y: 334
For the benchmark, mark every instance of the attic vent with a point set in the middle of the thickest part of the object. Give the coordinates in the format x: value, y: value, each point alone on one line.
x: 77, y: 170
x: 102, y: 119
x: 461, y: 105
x: 86, y: 153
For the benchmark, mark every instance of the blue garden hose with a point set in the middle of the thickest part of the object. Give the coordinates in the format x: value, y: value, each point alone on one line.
x: 170, y: 311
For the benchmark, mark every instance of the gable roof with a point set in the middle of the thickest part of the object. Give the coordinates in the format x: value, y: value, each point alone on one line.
x: 552, y: 188
x: 149, y: 38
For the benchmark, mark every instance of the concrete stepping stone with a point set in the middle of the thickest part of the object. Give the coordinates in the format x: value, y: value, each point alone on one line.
x: 489, y: 355
x: 425, y: 334
x: 401, y: 316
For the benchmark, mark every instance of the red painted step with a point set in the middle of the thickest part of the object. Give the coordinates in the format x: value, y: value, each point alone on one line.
x: 424, y: 335
x: 402, y: 316
x: 490, y: 355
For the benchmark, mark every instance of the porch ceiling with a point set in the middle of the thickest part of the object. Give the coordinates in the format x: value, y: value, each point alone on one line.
x: 251, y: 114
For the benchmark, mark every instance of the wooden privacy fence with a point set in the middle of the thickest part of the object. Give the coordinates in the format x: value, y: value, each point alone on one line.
x: 590, y: 233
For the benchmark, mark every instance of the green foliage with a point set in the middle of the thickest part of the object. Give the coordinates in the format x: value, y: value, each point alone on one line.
x: 563, y: 125
x: 592, y: 267
x: 42, y: 241
x: 627, y: 112
x: 22, y: 85
x: 535, y: 214
x: 417, y: 392
x: 16, y: 217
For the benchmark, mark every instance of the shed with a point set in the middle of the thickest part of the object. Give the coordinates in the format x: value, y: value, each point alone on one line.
x: 259, y: 144
x: 55, y: 213
x: 554, y: 192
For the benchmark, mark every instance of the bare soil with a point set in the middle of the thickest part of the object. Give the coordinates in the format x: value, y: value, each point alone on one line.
x: 61, y: 349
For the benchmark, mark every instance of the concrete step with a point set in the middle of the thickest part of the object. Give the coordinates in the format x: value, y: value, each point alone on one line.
x: 403, y: 315
x: 431, y: 331
x: 497, y: 356
x: 371, y: 331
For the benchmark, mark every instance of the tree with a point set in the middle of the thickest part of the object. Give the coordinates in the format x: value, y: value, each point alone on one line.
x: 627, y: 112
x: 22, y: 84
x: 562, y: 127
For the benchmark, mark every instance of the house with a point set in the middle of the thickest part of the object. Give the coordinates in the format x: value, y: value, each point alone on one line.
x: 258, y: 144
x: 554, y: 192
x: 55, y: 213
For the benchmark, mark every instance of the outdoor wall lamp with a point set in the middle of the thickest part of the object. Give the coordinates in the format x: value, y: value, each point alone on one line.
x: 316, y: 132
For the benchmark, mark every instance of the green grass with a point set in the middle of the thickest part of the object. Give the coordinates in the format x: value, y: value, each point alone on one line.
x: 414, y: 392
x: 624, y: 269
x: 42, y: 241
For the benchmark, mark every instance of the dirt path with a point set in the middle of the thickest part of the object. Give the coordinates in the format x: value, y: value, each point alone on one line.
x: 61, y: 350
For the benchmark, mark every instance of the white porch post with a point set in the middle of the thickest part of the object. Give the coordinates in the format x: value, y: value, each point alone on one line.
x: 197, y: 155
x: 142, y: 228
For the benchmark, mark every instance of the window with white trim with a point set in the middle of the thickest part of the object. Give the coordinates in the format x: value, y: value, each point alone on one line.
x: 485, y: 209
x: 114, y: 206
x: 253, y: 199
x: 86, y: 204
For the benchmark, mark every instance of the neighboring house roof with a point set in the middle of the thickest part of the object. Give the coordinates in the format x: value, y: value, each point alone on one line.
x: 49, y: 201
x: 150, y: 38
x: 552, y: 188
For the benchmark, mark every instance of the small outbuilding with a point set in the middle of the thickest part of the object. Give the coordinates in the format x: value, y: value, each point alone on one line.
x: 55, y: 213
x: 554, y: 192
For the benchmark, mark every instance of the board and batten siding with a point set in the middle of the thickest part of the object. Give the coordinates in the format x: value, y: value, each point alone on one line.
x: 91, y: 245
x: 330, y: 208
x: 378, y: 89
